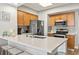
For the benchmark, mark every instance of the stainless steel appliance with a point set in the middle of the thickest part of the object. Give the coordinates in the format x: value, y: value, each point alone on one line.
x: 61, y: 33
x: 33, y: 27
x: 61, y: 23
x: 37, y: 27
x: 61, y: 29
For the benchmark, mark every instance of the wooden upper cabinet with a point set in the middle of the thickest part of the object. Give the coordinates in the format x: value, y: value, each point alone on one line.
x: 24, y: 18
x: 20, y: 17
x: 70, y: 19
x: 59, y: 17
x: 51, y: 21
x: 27, y: 18
x: 34, y: 17
x: 63, y: 17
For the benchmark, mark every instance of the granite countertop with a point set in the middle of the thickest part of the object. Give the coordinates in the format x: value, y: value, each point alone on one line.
x: 48, y: 44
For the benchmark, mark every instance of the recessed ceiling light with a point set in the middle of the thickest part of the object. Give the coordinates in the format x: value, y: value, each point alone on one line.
x: 17, y: 4
x: 45, y: 4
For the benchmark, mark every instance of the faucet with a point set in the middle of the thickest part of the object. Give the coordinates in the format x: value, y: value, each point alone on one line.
x: 5, y: 33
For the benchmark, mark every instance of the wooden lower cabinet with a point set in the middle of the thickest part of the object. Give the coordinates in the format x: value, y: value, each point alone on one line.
x: 50, y: 34
x: 71, y: 41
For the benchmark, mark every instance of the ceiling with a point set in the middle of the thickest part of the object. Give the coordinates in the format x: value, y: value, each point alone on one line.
x: 16, y: 4
x: 38, y: 7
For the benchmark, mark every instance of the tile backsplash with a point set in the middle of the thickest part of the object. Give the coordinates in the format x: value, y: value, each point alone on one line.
x: 70, y: 29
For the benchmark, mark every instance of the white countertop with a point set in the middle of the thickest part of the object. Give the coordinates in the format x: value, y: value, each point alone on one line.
x: 71, y: 33
x: 48, y: 44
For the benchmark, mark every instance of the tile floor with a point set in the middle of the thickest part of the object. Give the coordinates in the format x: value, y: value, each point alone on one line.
x: 75, y: 52
x: 71, y: 52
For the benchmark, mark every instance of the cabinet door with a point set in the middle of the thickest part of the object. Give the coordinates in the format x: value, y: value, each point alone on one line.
x: 70, y: 19
x: 71, y: 41
x: 59, y: 17
x: 20, y: 17
x: 34, y: 17
x: 52, y: 21
x: 63, y: 16
x: 27, y: 18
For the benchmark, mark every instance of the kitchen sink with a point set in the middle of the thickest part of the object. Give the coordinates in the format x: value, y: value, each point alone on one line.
x: 36, y: 36
x: 39, y: 37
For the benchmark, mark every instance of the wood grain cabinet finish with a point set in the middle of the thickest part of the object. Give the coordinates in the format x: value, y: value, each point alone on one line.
x: 70, y: 19
x: 71, y: 41
x: 34, y: 17
x: 20, y: 17
x: 24, y: 18
x: 63, y: 17
x: 59, y: 17
x: 27, y: 18
x: 52, y: 21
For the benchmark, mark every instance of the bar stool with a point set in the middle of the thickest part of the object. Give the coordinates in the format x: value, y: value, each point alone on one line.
x: 2, y: 44
x: 24, y: 53
x: 0, y: 50
x: 4, y: 49
x: 14, y: 51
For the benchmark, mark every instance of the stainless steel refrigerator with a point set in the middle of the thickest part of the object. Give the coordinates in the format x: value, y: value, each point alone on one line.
x: 37, y: 27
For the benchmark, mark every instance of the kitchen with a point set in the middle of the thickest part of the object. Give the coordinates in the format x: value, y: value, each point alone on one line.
x: 37, y: 34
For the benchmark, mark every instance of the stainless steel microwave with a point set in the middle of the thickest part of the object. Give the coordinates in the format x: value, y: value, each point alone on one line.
x: 62, y: 23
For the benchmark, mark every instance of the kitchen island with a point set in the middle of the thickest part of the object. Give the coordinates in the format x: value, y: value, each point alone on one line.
x: 37, y: 46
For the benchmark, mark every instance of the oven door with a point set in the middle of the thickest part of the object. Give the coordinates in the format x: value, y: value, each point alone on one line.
x: 59, y: 35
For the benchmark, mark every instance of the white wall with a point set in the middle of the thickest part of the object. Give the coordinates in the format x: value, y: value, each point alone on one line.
x: 77, y: 27
x: 26, y: 9
x: 9, y: 25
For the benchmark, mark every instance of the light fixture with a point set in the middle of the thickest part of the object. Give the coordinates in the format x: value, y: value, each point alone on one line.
x: 16, y: 4
x: 45, y: 4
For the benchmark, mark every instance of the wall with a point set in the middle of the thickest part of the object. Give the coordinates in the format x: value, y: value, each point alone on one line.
x: 26, y: 9
x: 9, y: 25
x: 77, y: 27
x: 70, y: 7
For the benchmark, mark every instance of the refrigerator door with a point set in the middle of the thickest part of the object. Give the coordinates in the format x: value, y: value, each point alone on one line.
x: 33, y: 27
x: 37, y: 27
x: 40, y: 27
